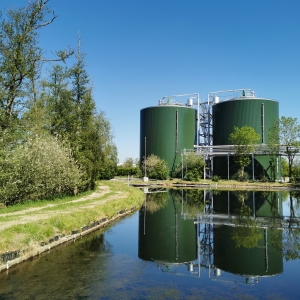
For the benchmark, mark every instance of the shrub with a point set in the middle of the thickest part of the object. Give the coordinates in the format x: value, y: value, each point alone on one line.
x: 124, y: 171
x: 40, y: 168
x: 156, y: 167
x: 194, y: 167
x: 216, y: 178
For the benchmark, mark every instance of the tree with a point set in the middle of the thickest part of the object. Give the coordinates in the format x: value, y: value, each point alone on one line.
x: 156, y: 168
x: 284, y: 135
x: 20, y: 56
x: 244, y: 140
x: 72, y: 116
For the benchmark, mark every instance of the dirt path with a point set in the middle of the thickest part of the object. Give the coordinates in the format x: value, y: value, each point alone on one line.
x: 43, y: 212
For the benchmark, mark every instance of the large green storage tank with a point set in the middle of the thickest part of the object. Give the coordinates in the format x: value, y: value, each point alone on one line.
x: 168, y: 129
x: 258, y: 113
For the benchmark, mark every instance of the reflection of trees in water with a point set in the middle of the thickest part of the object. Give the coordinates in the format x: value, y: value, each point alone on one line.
x: 193, y: 201
x: 95, y: 243
x: 242, y: 196
x: 287, y: 241
x: 291, y: 235
x: 245, y: 234
x: 156, y: 201
x: 246, y: 237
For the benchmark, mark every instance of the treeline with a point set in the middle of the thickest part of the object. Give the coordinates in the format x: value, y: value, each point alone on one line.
x: 53, y: 139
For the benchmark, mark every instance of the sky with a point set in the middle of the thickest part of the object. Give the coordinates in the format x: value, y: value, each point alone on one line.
x: 138, y: 51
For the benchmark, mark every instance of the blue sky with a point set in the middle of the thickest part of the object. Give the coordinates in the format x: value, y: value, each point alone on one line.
x: 141, y: 50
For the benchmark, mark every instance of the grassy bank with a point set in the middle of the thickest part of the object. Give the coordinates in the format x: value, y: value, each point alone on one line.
x: 25, y: 226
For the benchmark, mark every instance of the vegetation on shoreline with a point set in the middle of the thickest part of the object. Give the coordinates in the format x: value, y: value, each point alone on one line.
x: 51, y: 218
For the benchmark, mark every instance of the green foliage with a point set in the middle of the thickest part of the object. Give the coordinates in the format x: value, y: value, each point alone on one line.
x: 68, y: 215
x: 247, y: 237
x: 193, y: 201
x: 216, y: 178
x: 41, y: 167
x: 285, y: 132
x: 244, y: 140
x: 130, y: 162
x: 156, y: 168
x: 246, y: 234
x: 156, y: 202
x: 20, y: 56
x: 123, y: 171
x: 284, y: 168
x: 192, y: 168
x: 61, y: 104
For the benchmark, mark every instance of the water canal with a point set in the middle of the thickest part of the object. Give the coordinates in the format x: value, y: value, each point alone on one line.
x: 182, y: 244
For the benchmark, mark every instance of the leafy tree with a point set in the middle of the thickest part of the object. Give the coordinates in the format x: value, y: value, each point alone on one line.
x: 72, y: 116
x: 20, y: 56
x: 58, y: 102
x: 244, y: 140
x: 284, y: 135
x: 156, y: 167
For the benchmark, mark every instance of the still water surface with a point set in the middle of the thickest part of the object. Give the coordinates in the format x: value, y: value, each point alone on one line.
x: 182, y: 244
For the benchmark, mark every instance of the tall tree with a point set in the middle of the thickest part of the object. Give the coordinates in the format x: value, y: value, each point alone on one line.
x: 244, y: 140
x: 284, y: 136
x: 20, y: 55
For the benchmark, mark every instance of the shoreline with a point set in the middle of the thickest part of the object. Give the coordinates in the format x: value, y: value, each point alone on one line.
x: 64, y: 239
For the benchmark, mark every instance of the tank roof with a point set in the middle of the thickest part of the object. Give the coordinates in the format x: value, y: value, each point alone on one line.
x: 247, y: 98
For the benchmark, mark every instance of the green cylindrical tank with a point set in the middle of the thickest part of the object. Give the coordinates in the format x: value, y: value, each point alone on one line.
x: 163, y: 234
x: 258, y: 113
x: 166, y: 130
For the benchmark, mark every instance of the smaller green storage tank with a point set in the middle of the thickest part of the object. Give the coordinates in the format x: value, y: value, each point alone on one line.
x: 166, y: 130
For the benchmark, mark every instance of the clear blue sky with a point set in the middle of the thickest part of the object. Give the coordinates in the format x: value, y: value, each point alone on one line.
x: 141, y: 50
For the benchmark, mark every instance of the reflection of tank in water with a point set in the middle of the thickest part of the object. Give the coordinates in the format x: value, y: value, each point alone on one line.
x: 248, y: 249
x: 263, y: 259
x: 163, y: 235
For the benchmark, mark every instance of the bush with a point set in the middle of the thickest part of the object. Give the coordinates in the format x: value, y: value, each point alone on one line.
x: 194, y: 167
x: 264, y: 178
x: 39, y: 168
x: 124, y: 171
x: 216, y: 178
x: 156, y: 167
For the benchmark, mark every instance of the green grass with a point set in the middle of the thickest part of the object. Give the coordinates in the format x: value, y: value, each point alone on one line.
x: 26, y: 236
x: 40, y: 203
